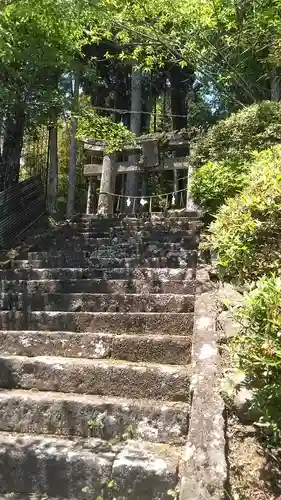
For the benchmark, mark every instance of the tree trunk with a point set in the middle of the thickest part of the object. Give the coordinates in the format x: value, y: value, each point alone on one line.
x: 52, y: 188
x: 178, y: 98
x: 12, y: 148
x: 107, y: 185
x: 135, y: 126
x: 73, y: 154
x: 275, y: 86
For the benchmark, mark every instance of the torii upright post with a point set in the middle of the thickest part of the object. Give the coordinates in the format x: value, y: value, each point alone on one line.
x: 107, y: 185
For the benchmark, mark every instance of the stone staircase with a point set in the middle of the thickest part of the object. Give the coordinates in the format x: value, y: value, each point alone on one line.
x: 95, y: 360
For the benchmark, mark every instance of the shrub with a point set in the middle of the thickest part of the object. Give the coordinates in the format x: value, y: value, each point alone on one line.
x: 246, y: 235
x: 215, y: 182
x: 254, y: 128
x: 258, y: 347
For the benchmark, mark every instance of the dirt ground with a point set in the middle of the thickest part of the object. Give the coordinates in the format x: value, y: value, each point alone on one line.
x: 254, y: 469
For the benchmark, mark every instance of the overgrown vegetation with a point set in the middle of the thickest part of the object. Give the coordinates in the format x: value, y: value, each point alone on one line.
x: 246, y: 233
x: 228, y: 150
x: 245, y: 237
x: 258, y: 349
x: 253, y: 128
x: 102, y: 128
x: 215, y: 182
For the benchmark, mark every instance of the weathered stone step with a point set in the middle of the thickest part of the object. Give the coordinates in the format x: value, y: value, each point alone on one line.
x: 152, y: 233
x: 112, y: 253
x: 120, y: 273
x: 119, y: 242
x: 191, y: 214
x: 93, y: 416
x: 167, y: 349
x: 99, y: 377
x: 99, y: 286
x: 123, y: 237
x: 121, y: 224
x: 99, y: 302
x: 61, y: 468
x: 119, y: 323
x: 136, y: 223
x: 126, y: 248
x: 131, y: 262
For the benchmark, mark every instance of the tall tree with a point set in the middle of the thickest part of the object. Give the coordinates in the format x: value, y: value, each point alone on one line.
x: 39, y: 41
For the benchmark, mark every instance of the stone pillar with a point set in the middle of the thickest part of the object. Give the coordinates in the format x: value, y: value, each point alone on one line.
x: 190, y: 205
x: 107, y: 185
x: 89, y: 196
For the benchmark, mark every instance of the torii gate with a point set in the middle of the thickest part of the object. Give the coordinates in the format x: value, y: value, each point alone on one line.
x: 150, y: 155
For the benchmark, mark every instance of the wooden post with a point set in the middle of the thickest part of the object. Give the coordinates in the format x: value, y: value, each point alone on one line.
x: 107, y: 185
x: 89, y: 196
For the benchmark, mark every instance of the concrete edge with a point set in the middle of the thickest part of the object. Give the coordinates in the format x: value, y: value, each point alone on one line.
x: 204, y: 467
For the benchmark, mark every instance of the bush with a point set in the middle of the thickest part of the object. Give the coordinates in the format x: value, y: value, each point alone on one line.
x: 215, y: 182
x: 258, y: 347
x: 246, y: 235
x: 254, y: 128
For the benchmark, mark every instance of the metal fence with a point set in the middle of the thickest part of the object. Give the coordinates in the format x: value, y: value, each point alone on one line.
x: 20, y: 206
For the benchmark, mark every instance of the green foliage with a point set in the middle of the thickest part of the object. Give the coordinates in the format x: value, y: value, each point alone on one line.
x: 93, y: 126
x: 255, y: 128
x: 38, y: 42
x: 108, y: 490
x: 246, y: 233
x: 215, y: 182
x: 258, y: 348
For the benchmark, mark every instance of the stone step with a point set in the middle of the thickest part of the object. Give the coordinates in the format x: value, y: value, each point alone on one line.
x: 129, y: 246
x: 175, y: 236
x: 93, y: 416
x: 63, y: 273
x: 60, y: 468
x: 155, y: 233
x: 98, y: 377
x: 123, y: 237
x: 99, y: 286
x: 191, y: 214
x: 119, y: 242
x: 111, y: 262
x: 118, y: 323
x: 112, y: 252
x: 185, y: 222
x: 97, y: 302
x: 168, y: 349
